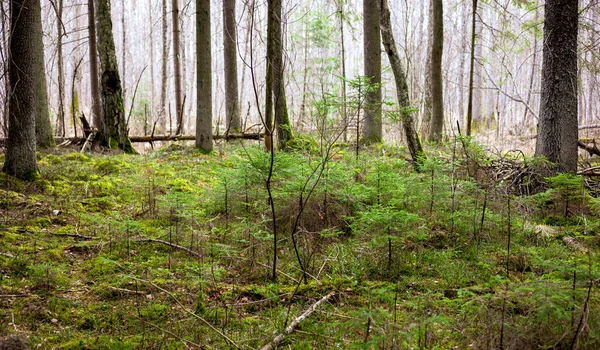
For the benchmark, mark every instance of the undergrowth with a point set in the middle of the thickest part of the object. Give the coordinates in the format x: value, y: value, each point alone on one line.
x: 173, y: 249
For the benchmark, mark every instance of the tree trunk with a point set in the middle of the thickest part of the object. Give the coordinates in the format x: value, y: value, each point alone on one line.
x: 60, y: 118
x: 124, y: 53
x: 427, y: 102
x: 282, y: 120
x: 472, y: 68
x: 151, y: 44
x: 412, y: 138
x: 177, y: 66
x: 21, y: 144
x: 232, y: 104
x: 4, y: 37
x: 204, y: 139
x: 97, y: 117
x: 343, y: 66
x: 114, y: 133
x: 43, y: 127
x: 437, y: 96
x: 557, y: 125
x: 269, y: 84
x: 163, y: 79
x: 372, y: 130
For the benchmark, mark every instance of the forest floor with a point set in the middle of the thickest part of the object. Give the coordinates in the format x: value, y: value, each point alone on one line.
x: 174, y: 249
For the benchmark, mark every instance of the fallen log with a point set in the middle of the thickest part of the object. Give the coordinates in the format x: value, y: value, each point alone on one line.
x: 156, y: 138
x: 275, y: 342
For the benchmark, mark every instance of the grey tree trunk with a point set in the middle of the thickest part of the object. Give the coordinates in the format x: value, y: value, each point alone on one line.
x: 269, y: 85
x: 43, y: 127
x: 114, y: 132
x: 177, y: 66
x: 472, y: 68
x: 60, y: 118
x: 557, y: 125
x: 204, y: 139
x: 282, y: 120
x: 4, y: 37
x: 437, y: 96
x: 343, y: 67
x: 151, y: 44
x: 232, y: 104
x: 97, y: 117
x: 163, y: 79
x: 410, y: 132
x: 372, y: 130
x: 21, y: 144
x: 427, y: 102
x: 124, y: 52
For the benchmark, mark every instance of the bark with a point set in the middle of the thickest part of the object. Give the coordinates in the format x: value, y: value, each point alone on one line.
x: 5, y: 44
x: 269, y: 86
x: 76, y: 60
x: 204, y: 139
x: 43, y: 127
x: 21, y: 144
x: 437, y: 96
x: 177, y: 66
x: 114, y: 132
x: 557, y: 125
x: 163, y: 80
x: 472, y: 68
x: 152, y: 85
x: 387, y: 37
x: 232, y: 104
x: 343, y: 67
x: 60, y: 118
x: 124, y: 52
x: 427, y: 102
x: 372, y: 130
x: 282, y: 120
x: 533, y: 71
x: 97, y: 118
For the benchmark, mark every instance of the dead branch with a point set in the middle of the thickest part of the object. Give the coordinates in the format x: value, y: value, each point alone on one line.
x: 591, y: 149
x: 172, y: 245
x: 275, y: 342
x: 127, y: 291
x: 189, y: 312
x: 74, y: 235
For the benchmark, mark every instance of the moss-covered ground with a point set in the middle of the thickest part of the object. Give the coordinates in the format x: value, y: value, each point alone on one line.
x: 91, y: 253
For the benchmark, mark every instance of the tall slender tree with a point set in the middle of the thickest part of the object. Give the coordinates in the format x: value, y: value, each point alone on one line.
x: 43, y: 127
x: 163, y: 78
x: 282, y: 120
x: 97, y: 118
x: 60, y: 118
x: 437, y: 96
x: 410, y: 132
x: 177, y: 66
x: 21, y: 144
x: 114, y: 131
x: 472, y: 67
x: 557, y: 125
x: 232, y: 105
x: 373, y: 129
x: 204, y: 139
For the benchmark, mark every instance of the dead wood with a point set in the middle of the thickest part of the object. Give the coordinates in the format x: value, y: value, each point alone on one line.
x: 275, y: 342
x: 172, y: 245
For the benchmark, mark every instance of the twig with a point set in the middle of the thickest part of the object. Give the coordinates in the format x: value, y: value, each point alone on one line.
x: 134, y: 93
x: 191, y: 313
x: 172, y: 245
x: 275, y: 342
x: 128, y: 291
x: 74, y: 235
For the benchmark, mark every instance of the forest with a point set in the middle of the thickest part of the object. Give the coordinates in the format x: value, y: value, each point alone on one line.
x: 323, y: 174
